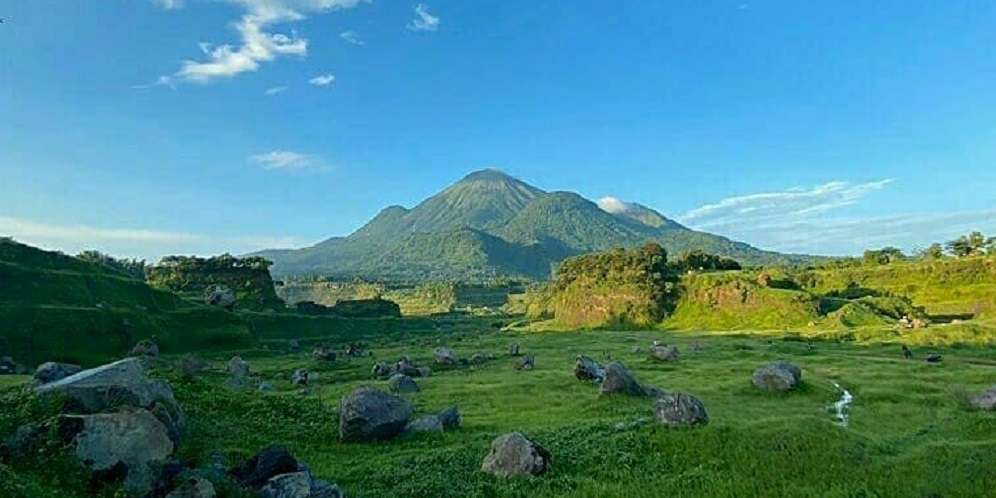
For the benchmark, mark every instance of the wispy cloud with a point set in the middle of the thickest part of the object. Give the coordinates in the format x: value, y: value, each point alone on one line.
x: 322, y: 80
x: 274, y: 91
x: 287, y: 160
x: 424, y: 21
x: 788, y: 204
x: 804, y: 220
x: 150, y: 244
x: 352, y: 38
x: 169, y: 4
x: 257, y: 44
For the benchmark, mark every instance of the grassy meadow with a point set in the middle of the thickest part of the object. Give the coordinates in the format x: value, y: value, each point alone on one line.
x: 910, y: 432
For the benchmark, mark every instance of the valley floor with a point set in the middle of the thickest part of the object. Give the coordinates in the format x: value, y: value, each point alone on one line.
x: 910, y: 433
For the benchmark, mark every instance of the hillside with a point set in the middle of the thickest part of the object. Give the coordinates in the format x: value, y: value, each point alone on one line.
x: 57, y: 307
x: 489, y: 224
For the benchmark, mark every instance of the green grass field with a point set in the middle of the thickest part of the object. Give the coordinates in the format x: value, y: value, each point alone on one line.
x: 910, y: 433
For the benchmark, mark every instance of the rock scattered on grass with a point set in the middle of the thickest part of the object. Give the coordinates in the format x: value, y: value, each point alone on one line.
x: 400, y: 383
x: 427, y: 423
x: 587, y: 369
x: 513, y: 454
x: 367, y: 414
x: 527, y: 362
x: 664, y: 353
x: 778, y: 376
x: 450, y: 418
x: 300, y: 377
x: 619, y: 380
x: 146, y: 348
x: 679, y: 409
x: 445, y: 356
x: 986, y: 400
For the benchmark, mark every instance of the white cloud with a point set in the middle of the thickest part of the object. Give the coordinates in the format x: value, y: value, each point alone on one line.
x: 274, y: 91
x: 322, y: 80
x: 352, y: 38
x: 257, y: 44
x: 143, y: 243
x: 613, y: 205
x: 424, y: 21
x: 788, y: 204
x: 286, y: 160
x: 169, y: 4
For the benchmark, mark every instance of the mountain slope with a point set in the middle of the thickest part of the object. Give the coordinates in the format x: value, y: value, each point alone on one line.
x: 490, y: 224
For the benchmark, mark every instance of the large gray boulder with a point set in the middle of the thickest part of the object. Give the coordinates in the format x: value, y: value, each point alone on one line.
x: 268, y: 463
x: 679, y: 409
x: 131, y: 440
x: 195, y: 487
x: 52, y: 371
x: 122, y: 383
x: 587, y: 369
x: 619, y: 380
x: 220, y: 295
x: 778, y: 376
x: 400, y: 383
x: 292, y: 485
x: 986, y: 400
x: 368, y: 414
x: 513, y: 454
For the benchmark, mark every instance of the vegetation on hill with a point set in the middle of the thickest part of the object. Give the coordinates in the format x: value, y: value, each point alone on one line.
x: 57, y: 307
x: 490, y: 224
x: 248, y: 278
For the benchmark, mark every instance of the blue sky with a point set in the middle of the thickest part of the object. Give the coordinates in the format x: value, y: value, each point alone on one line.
x: 149, y: 127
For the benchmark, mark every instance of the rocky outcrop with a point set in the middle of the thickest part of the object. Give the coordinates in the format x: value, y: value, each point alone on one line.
x: 679, y: 409
x: 778, y: 376
x: 513, y: 454
x: 367, y: 414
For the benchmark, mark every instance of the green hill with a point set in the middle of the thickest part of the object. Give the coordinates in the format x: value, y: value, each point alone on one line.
x: 57, y: 307
x: 490, y: 224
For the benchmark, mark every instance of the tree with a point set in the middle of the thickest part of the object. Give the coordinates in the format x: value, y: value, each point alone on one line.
x: 883, y: 256
x: 972, y: 244
x: 935, y: 251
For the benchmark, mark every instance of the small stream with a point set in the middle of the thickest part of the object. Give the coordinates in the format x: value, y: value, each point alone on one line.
x: 842, y: 405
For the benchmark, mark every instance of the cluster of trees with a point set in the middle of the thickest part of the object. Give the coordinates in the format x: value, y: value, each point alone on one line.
x: 134, y: 268
x: 702, y: 261
x: 973, y: 244
x: 223, y: 262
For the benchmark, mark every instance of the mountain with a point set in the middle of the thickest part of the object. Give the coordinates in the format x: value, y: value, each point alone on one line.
x: 489, y: 225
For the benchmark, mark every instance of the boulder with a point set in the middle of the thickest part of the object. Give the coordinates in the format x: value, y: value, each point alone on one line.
x: 300, y: 377
x: 131, y: 442
x: 237, y: 367
x: 428, y: 423
x: 400, y: 383
x: 122, y: 383
x: 933, y: 358
x: 272, y: 461
x: 292, y: 485
x: 381, y: 370
x: 618, y: 379
x: 445, y: 356
x: 986, y: 400
x: 368, y: 414
x: 679, y: 409
x: 527, y: 362
x: 450, y: 418
x: 220, y: 295
x: 587, y: 369
x: 778, y: 376
x: 405, y: 366
x: 8, y: 366
x: 145, y: 348
x: 478, y: 358
x: 513, y: 454
x: 513, y: 349
x: 52, y: 371
x: 424, y: 372
x: 195, y: 487
x: 664, y: 353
